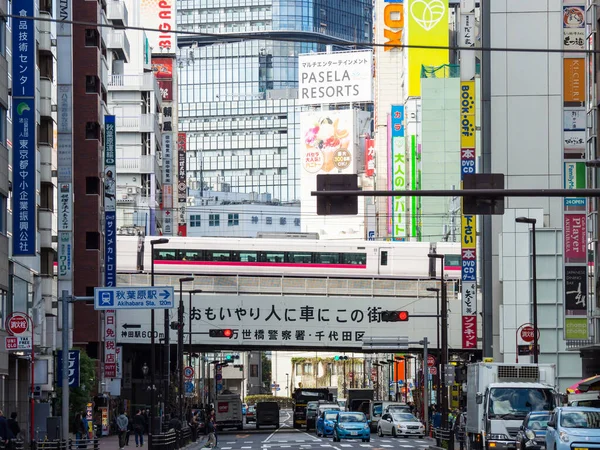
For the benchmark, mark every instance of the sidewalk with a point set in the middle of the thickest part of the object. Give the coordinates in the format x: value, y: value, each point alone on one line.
x: 112, y: 443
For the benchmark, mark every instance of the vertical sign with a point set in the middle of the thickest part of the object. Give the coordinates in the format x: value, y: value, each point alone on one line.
x: 110, y: 203
x: 110, y: 343
x: 467, y: 165
x: 64, y: 125
x: 167, y: 204
x: 181, y: 183
x: 24, y: 129
x: 575, y: 276
x: 398, y: 166
x: 74, y: 368
x: 369, y: 157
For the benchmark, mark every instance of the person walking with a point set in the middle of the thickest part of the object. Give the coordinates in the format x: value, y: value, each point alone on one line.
x: 122, y: 425
x: 139, y: 424
x: 80, y: 431
x: 213, y: 440
x: 129, y: 429
x: 13, y: 425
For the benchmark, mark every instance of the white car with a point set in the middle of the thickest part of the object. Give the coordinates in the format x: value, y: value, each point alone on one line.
x: 400, y: 424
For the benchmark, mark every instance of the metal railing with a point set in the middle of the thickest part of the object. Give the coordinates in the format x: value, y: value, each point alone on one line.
x: 45, y: 444
x: 444, y: 438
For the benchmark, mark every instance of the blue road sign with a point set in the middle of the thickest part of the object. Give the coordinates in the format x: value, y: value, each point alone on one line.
x: 219, y: 387
x: 219, y: 377
x: 132, y: 297
x: 189, y: 387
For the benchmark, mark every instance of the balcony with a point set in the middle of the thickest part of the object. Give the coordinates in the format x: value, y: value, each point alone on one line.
x: 118, y: 42
x: 141, y: 164
x: 45, y: 97
x: 144, y: 123
x: 105, y: 77
x: 45, y: 226
x: 45, y: 36
x: 47, y: 162
x: 116, y: 11
x: 141, y: 82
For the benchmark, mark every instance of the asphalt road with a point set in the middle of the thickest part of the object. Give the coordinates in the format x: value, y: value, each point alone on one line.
x: 287, y: 438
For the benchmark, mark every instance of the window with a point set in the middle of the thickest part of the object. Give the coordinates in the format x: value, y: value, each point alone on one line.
x: 192, y: 255
x: 384, y: 258
x: 254, y: 370
x: 297, y: 222
x: 92, y: 37
x: 47, y: 196
x: 282, y: 221
x: 300, y: 258
x: 3, y: 207
x: 214, y: 220
x: 92, y: 240
x: 91, y: 84
x: 233, y: 220
x: 165, y: 255
x: 3, y: 114
x: 327, y: 258
x: 277, y: 257
x: 248, y: 256
x: 3, y: 38
x: 195, y: 220
x: 92, y: 130
x: 254, y: 219
x: 92, y: 185
x: 269, y: 221
x: 3, y: 307
x: 217, y: 255
x: 307, y: 369
x: 354, y: 258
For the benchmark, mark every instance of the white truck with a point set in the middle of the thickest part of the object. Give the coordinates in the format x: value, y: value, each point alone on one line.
x: 590, y: 398
x: 228, y: 411
x: 499, y: 396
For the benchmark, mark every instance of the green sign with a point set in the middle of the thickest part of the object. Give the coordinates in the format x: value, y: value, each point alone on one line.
x: 576, y: 328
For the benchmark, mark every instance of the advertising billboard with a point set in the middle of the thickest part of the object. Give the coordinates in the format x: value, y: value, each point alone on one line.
x: 427, y: 25
x: 340, y: 77
x: 110, y: 203
x: 181, y: 183
x: 393, y: 24
x: 159, y: 15
x: 574, y: 81
x: 399, y: 173
x: 163, y: 72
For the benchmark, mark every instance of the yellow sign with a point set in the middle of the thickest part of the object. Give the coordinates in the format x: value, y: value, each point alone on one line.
x: 469, y: 232
x: 467, y: 114
x: 427, y: 25
x: 467, y: 131
x: 488, y: 360
x: 393, y: 23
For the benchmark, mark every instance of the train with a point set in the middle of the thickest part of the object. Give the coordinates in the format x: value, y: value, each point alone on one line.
x: 290, y: 256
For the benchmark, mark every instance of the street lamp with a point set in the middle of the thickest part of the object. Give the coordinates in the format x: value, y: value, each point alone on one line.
x: 433, y: 255
x: 437, y: 295
x: 153, y: 242
x: 532, y: 222
x: 180, y: 345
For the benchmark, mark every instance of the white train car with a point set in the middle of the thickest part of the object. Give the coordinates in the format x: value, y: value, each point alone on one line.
x: 186, y: 255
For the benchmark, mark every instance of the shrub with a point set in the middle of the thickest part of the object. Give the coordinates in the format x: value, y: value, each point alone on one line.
x: 284, y: 402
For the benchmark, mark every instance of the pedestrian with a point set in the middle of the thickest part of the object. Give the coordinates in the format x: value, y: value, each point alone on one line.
x: 80, y: 431
x: 129, y: 429
x: 175, y: 423
x: 212, y: 441
x: 139, y: 424
x: 13, y: 425
x: 122, y: 425
x: 5, y: 433
x: 146, y: 415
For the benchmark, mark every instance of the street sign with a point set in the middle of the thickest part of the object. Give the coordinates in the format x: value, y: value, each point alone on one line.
x: 219, y: 376
x: 17, y: 323
x: 527, y: 333
x: 74, y: 358
x: 219, y: 387
x: 17, y: 343
x: 188, y: 372
x: 132, y: 297
x: 431, y: 360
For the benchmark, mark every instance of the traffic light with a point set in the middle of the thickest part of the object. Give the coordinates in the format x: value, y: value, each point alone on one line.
x: 340, y: 358
x: 394, y: 316
x: 225, y: 333
x: 230, y: 357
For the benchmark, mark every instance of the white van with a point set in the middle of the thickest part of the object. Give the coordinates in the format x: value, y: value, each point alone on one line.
x: 326, y: 406
x: 379, y: 407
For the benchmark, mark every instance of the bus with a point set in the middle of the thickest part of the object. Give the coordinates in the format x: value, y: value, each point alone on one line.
x: 301, y: 397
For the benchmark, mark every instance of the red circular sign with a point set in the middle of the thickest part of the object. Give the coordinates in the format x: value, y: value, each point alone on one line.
x: 527, y: 333
x: 431, y: 360
x: 17, y: 323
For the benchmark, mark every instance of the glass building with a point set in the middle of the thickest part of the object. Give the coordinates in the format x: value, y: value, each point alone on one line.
x: 238, y: 82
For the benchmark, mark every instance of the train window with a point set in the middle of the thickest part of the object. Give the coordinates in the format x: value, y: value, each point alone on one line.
x: 453, y: 260
x: 165, y: 254
x: 384, y: 258
x: 300, y: 257
x: 218, y: 255
x: 276, y: 257
x: 354, y: 258
x: 248, y: 256
x: 192, y: 255
x: 327, y: 258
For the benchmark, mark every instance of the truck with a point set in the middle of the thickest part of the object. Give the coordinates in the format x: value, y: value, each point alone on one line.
x: 499, y: 396
x: 228, y: 411
x: 356, y: 397
x: 589, y: 398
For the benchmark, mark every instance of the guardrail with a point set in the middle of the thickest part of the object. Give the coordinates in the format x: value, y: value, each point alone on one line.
x: 171, y: 440
x: 444, y: 438
x: 45, y: 444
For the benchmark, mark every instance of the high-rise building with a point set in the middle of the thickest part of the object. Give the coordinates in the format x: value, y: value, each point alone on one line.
x: 237, y: 98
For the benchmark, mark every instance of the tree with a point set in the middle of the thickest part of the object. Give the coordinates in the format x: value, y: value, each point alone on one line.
x: 80, y: 396
x: 266, y: 370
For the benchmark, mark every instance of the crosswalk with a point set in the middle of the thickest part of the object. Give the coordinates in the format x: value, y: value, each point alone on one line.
x: 317, y: 443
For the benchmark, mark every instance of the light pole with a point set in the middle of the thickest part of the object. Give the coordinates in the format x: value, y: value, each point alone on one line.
x: 437, y: 296
x: 444, y: 356
x: 180, y: 389
x: 532, y: 222
x: 192, y: 292
x: 152, y: 342
x: 287, y: 384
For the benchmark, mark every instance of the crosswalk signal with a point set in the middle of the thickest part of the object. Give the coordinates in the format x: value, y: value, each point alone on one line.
x: 394, y: 316
x: 224, y: 333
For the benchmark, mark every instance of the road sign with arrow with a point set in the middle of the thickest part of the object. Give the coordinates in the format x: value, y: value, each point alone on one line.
x: 128, y: 326
x: 131, y: 297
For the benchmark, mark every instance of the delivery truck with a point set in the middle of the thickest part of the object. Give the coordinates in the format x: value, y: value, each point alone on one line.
x: 228, y: 412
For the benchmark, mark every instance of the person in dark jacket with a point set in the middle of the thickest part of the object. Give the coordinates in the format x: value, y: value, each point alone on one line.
x: 139, y: 424
x: 13, y: 425
x: 175, y: 423
x: 5, y: 433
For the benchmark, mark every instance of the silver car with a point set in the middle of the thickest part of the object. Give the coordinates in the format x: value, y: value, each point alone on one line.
x: 400, y: 424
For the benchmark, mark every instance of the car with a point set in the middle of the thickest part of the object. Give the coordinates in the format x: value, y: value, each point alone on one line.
x: 267, y: 413
x: 325, y: 422
x: 251, y: 414
x: 244, y: 408
x: 400, y: 424
x: 532, y: 433
x: 573, y: 427
x: 311, y: 414
x: 342, y: 403
x: 351, y: 425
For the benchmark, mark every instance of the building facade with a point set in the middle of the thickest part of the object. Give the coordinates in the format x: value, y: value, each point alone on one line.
x: 237, y: 100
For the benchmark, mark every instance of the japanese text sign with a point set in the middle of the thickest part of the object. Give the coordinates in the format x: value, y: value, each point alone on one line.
x: 74, y: 370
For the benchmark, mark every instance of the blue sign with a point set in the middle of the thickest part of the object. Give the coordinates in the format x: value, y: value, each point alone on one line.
x: 371, y: 235
x: 219, y: 387
x: 467, y: 167
x: 189, y: 387
x: 397, y: 121
x: 24, y: 129
x: 24, y: 169
x: 73, y: 368
x: 110, y: 203
x: 144, y: 297
x: 469, y: 270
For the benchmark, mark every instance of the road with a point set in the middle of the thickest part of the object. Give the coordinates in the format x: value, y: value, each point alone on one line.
x: 287, y: 438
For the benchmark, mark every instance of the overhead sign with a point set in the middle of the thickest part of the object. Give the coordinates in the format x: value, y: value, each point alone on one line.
x: 295, y: 321
x: 340, y: 77
x: 144, y: 297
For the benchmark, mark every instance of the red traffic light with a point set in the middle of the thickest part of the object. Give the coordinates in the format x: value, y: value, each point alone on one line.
x: 403, y: 316
x: 223, y: 333
x: 394, y: 316
x: 227, y: 333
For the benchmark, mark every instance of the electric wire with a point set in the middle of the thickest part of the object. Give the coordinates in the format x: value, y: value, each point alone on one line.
x: 220, y: 38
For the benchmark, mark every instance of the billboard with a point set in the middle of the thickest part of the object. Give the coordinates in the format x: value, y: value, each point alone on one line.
x: 369, y: 157
x: 399, y: 173
x: 340, y: 77
x: 574, y: 81
x: 427, y: 25
x: 181, y: 183
x: 393, y: 24
x: 163, y: 72
x: 573, y: 27
x: 110, y: 203
x: 159, y: 15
